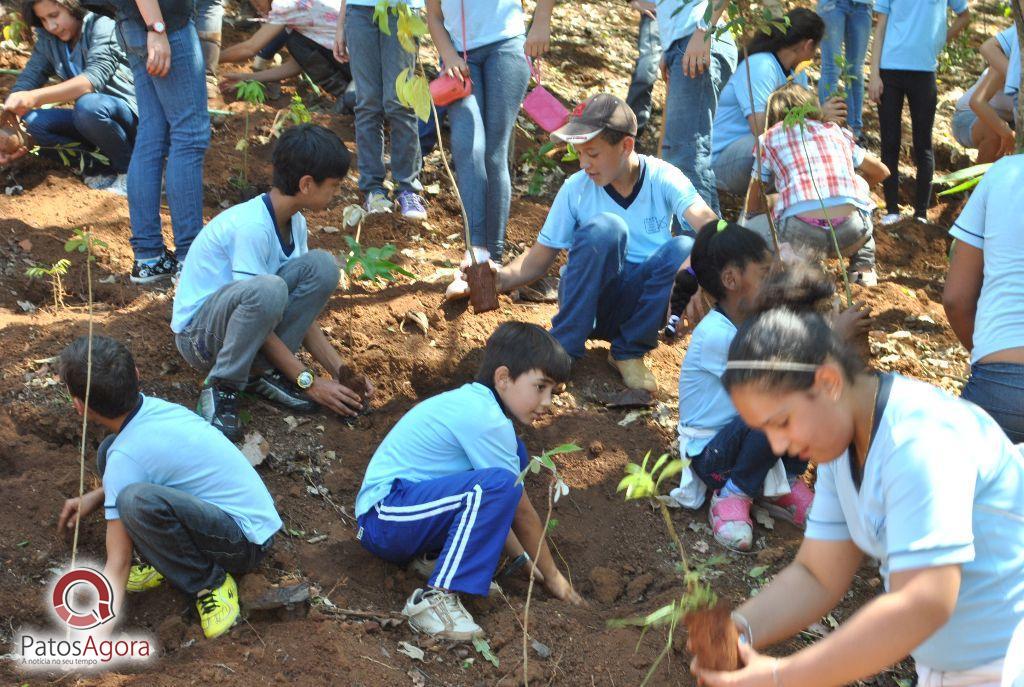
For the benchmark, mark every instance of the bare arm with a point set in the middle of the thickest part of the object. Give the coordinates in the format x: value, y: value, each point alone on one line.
x: 334, y: 396
x: 958, y: 25
x: 699, y: 213
x: 873, y: 171
x: 991, y: 84
x: 442, y: 41
x: 963, y: 289
x: 756, y: 122
x: 994, y: 56
x: 527, y: 268
x: 529, y: 530
x: 539, y: 37
x: 158, y: 49
x: 877, y: 43
x: 21, y: 102
x: 285, y: 71
x: 247, y: 49
x: 119, y: 561
x: 755, y: 198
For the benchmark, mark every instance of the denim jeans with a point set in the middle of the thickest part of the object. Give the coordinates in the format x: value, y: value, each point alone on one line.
x: 209, y: 23
x: 962, y: 125
x: 854, y: 233
x: 97, y: 119
x: 740, y: 454
x: 645, y: 73
x: 481, y: 128
x: 601, y: 296
x: 847, y: 25
x: 174, y: 129
x: 381, y: 59
x: 998, y: 388
x: 225, y: 335
x: 690, y: 107
x: 189, y: 541
x: 734, y: 165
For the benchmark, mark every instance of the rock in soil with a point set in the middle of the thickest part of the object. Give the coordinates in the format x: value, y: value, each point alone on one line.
x: 607, y: 584
x: 713, y: 638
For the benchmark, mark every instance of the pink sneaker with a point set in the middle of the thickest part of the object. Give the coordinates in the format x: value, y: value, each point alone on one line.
x: 730, y: 521
x: 793, y: 506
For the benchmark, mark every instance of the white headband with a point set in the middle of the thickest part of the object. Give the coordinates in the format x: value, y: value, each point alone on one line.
x: 782, y: 365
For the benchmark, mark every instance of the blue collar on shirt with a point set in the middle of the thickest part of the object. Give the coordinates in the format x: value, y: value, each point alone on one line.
x: 884, y: 388
x: 286, y: 247
x: 69, y: 64
x: 129, y: 416
x: 625, y: 201
x: 787, y: 72
x: 524, y: 456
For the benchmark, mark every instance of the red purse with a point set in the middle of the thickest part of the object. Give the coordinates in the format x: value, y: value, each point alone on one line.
x: 446, y: 89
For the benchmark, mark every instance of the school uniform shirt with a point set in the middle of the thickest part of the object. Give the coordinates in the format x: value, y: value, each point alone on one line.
x: 915, y: 32
x: 766, y: 74
x: 487, y: 21
x: 991, y: 222
x: 942, y: 485
x: 458, y: 430
x: 1013, y: 72
x: 239, y: 243
x: 679, y: 19
x: 703, y: 401
x: 167, y: 445
x: 661, y: 192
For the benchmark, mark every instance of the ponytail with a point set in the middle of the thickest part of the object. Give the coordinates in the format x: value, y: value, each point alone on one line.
x: 801, y: 24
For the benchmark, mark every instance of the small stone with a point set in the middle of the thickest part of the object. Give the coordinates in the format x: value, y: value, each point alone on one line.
x: 607, y: 584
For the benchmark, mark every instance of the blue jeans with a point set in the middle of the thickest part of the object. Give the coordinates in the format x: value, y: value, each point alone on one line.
x: 174, y: 128
x: 189, y: 541
x: 645, y: 73
x: 740, y: 454
x: 847, y: 24
x: 690, y: 107
x: 481, y: 127
x: 209, y: 23
x: 601, y: 296
x: 275, y: 46
x: 998, y: 388
x: 97, y: 119
x: 381, y: 59
x: 735, y: 164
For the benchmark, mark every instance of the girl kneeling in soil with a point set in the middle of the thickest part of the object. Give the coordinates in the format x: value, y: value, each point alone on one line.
x: 79, y: 48
x: 808, y: 159
x: 925, y: 483
x: 442, y: 488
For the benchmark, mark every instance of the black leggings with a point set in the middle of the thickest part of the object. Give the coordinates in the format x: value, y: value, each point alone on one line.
x: 920, y: 90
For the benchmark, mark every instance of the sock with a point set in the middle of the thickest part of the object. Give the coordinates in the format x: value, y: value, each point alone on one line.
x: 730, y: 489
x: 148, y: 261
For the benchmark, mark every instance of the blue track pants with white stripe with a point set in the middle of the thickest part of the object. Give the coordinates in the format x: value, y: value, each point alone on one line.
x: 466, y: 516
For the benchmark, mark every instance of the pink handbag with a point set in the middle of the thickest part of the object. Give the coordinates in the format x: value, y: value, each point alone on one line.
x: 446, y: 89
x: 543, y: 108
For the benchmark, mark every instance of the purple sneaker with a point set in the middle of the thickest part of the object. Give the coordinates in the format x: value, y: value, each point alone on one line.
x: 411, y: 206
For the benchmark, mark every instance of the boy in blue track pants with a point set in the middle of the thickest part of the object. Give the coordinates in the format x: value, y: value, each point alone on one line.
x: 444, y: 482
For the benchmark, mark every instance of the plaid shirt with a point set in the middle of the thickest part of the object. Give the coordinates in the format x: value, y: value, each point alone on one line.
x: 829, y: 159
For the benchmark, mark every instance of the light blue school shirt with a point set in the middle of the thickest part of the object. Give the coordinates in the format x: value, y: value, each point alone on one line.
x: 459, y: 430
x: 679, y: 19
x: 766, y: 74
x: 663, y: 192
x: 487, y: 21
x: 413, y: 4
x: 1013, y: 72
x: 915, y: 32
x: 991, y: 222
x: 942, y: 485
x: 165, y: 444
x: 239, y: 243
x: 703, y: 401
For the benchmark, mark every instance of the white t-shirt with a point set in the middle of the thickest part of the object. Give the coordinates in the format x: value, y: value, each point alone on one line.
x: 661, y: 193
x: 165, y: 444
x: 1000, y: 102
x: 314, y: 19
x: 992, y: 222
x: 942, y: 485
x: 703, y: 401
x: 487, y: 21
x: 459, y: 430
x: 239, y: 243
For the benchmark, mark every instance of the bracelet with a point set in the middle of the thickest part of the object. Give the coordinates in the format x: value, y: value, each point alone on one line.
x: 745, y: 631
x: 775, y: 674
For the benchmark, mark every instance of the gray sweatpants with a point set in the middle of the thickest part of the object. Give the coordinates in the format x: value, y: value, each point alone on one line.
x: 227, y: 332
x: 855, y: 235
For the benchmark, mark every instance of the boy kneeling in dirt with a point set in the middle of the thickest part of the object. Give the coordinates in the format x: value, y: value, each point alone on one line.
x: 445, y: 480
x: 251, y: 291
x: 173, y: 488
x: 615, y: 218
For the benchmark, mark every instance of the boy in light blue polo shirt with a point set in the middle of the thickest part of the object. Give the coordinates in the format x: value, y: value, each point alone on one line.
x: 174, y: 489
x: 445, y: 482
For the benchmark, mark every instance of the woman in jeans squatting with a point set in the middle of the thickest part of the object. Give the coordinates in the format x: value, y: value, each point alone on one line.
x: 847, y: 31
x: 174, y: 128
x: 485, y: 40
x: 698, y: 67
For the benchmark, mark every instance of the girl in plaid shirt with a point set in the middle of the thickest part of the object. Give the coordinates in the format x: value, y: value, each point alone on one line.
x: 821, y: 174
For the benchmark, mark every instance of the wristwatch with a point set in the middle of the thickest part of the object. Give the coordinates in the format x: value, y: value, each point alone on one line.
x: 305, y: 379
x: 157, y: 27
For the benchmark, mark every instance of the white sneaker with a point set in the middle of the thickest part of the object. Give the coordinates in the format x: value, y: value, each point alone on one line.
x: 423, y: 565
x: 98, y: 182
x: 377, y: 203
x: 441, y: 615
x: 891, y: 218
x: 863, y: 277
x: 120, y: 186
x: 259, y: 63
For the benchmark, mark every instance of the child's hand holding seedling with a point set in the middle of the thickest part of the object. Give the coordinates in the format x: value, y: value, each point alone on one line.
x: 834, y: 110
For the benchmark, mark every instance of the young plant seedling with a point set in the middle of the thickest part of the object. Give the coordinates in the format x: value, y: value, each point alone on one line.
x: 84, y: 242
x: 54, y: 272
x: 254, y: 93
x: 295, y: 113
x: 373, y: 263
x: 73, y: 155
x: 962, y: 180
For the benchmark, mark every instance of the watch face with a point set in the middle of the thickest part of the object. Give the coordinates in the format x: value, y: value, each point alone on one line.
x: 305, y: 379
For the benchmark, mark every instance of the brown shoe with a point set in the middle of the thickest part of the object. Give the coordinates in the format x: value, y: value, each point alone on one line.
x: 635, y: 374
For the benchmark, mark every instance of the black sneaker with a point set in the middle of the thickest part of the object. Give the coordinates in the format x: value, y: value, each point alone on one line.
x: 147, y: 273
x: 219, y: 406
x: 273, y: 387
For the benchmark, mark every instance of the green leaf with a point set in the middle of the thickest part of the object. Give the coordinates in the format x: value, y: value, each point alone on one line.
x: 975, y: 171
x: 22, y: 544
x: 757, y: 571
x: 966, y: 186
x: 380, y: 15
x: 484, y: 649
